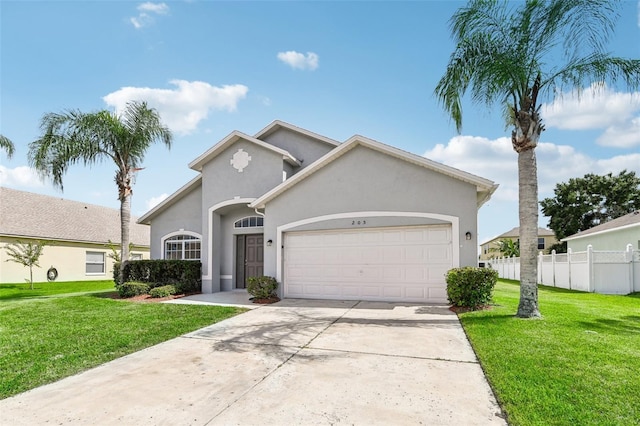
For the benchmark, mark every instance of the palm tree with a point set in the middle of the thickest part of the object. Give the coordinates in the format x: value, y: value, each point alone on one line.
x: 7, y: 145
x: 507, y: 52
x: 73, y: 136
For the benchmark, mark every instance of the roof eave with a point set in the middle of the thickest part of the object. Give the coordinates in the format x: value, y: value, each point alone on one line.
x: 480, y: 183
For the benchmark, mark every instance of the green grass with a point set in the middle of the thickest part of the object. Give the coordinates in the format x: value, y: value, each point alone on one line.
x: 23, y: 290
x: 43, y: 340
x: 579, y: 365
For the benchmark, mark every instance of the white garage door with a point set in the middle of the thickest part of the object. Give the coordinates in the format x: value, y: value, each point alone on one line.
x: 390, y: 264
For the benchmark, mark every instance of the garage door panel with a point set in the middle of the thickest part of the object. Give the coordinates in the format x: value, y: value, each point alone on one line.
x: 393, y: 264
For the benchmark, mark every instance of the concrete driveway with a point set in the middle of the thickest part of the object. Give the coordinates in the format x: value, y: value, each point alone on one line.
x: 295, y: 362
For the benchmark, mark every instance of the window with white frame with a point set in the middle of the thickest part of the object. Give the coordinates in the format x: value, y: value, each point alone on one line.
x: 540, y: 243
x: 136, y: 256
x: 249, y: 222
x: 182, y: 247
x: 94, y: 263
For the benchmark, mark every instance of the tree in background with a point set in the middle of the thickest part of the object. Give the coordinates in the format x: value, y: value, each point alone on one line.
x: 75, y: 137
x: 516, y: 54
x: 26, y: 254
x: 7, y: 146
x: 509, y: 248
x: 582, y: 203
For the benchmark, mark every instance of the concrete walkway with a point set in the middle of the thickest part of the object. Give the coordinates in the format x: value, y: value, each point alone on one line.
x: 293, y: 362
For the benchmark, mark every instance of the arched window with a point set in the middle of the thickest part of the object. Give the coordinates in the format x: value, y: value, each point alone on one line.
x: 182, y: 247
x: 249, y: 222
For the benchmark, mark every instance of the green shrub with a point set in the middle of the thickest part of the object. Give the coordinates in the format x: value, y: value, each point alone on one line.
x: 163, y: 291
x: 262, y: 287
x: 158, y: 273
x: 116, y: 273
x: 470, y: 287
x: 133, y: 288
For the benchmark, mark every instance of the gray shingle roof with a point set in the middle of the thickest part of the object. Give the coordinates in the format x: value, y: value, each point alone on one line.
x: 632, y: 218
x: 26, y: 214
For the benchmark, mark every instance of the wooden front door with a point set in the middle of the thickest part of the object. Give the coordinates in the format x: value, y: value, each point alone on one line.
x: 250, y: 258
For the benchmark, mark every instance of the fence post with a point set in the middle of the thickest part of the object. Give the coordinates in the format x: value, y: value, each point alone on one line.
x: 553, y: 266
x: 540, y: 263
x: 628, y: 257
x: 569, y: 252
x: 590, y: 286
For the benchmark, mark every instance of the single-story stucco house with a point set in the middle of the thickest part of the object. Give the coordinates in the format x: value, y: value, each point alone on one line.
x: 356, y: 220
x: 78, y: 237
x: 490, y: 249
x: 613, y: 235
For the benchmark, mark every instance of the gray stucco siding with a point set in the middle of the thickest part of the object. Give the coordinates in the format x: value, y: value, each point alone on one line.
x: 222, y: 182
x: 184, y: 214
x: 303, y: 148
x: 366, y: 180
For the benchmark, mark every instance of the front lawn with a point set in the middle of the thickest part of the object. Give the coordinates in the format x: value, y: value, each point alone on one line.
x: 580, y: 365
x: 23, y: 290
x: 43, y: 340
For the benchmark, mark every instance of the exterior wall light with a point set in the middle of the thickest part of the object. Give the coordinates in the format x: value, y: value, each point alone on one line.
x: 269, y: 242
x: 468, y: 235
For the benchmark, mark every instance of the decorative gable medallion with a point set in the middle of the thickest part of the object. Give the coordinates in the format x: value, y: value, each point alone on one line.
x: 240, y: 160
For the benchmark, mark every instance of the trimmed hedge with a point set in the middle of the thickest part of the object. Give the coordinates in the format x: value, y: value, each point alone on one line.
x: 262, y: 287
x: 185, y: 275
x: 470, y: 287
x: 163, y: 291
x: 133, y: 288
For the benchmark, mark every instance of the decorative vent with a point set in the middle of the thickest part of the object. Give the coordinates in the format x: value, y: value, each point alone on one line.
x: 240, y: 160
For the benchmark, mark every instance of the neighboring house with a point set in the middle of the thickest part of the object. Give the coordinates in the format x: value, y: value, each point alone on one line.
x: 490, y: 249
x: 613, y: 235
x: 357, y: 220
x: 78, y: 236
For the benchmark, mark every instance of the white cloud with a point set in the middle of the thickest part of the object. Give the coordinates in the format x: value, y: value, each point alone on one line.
x: 21, y: 176
x: 147, y: 10
x: 298, y: 60
x: 159, y: 8
x: 626, y: 135
x: 598, y: 107
x: 183, y: 107
x: 496, y: 160
x: 154, y: 201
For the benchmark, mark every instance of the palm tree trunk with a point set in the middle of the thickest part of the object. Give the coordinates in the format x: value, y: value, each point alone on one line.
x: 125, y: 221
x: 528, y: 211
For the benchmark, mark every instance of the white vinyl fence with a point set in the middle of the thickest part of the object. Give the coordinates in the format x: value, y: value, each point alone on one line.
x: 606, y: 272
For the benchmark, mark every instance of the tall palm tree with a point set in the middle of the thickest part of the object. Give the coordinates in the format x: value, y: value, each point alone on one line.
x: 7, y: 145
x: 509, y: 52
x: 75, y: 137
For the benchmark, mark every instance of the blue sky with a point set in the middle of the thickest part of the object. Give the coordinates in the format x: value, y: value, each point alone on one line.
x: 335, y: 68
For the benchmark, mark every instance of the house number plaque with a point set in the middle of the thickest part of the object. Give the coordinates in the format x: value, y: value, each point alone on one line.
x: 358, y: 222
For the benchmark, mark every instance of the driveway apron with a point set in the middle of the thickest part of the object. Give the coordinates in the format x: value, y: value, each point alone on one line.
x: 293, y: 362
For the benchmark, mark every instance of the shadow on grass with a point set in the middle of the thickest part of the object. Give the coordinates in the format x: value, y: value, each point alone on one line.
x: 634, y: 295
x: 627, y: 325
x: 497, y: 318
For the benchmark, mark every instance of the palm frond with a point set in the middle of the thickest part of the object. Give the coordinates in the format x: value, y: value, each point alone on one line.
x: 7, y: 145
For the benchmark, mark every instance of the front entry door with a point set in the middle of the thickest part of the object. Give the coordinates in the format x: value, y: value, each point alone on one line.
x: 250, y: 258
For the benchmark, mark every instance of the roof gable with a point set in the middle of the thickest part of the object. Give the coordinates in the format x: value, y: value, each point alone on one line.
x: 484, y: 187
x: 623, y: 222
x: 28, y: 215
x: 232, y: 138
x: 277, y: 124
